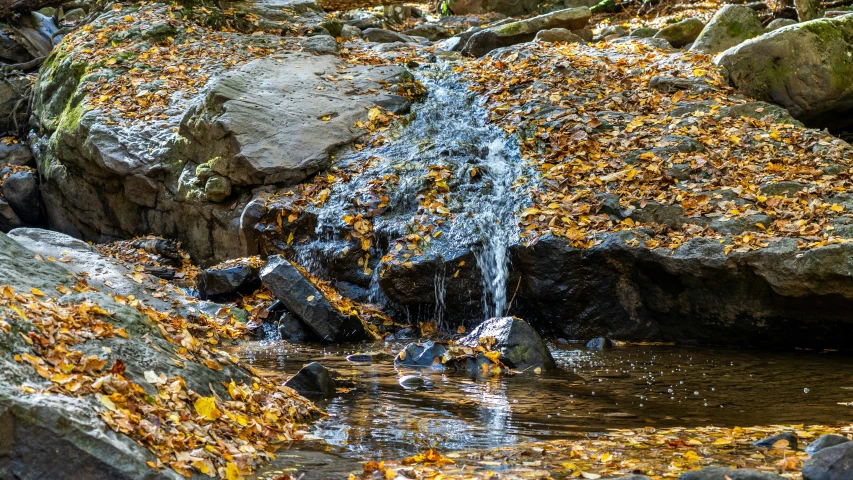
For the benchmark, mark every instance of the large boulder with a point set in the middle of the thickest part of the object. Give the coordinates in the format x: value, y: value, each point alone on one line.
x: 832, y: 463
x: 301, y: 128
x: 681, y: 33
x: 187, y: 167
x: 303, y: 299
x: 804, y: 68
x: 54, y: 435
x: 730, y: 26
x: 521, y: 31
x: 517, y: 341
x: 619, y: 291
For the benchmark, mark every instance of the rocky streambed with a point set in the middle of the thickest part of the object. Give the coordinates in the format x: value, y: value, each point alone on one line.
x: 398, y: 190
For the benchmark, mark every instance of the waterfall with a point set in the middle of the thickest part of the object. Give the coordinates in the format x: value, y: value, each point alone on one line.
x: 446, y: 131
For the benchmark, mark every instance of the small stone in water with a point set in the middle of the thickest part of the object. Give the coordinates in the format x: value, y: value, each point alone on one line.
x: 412, y: 382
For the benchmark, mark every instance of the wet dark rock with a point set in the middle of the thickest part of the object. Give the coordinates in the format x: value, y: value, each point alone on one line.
x: 385, y: 36
x: 769, y: 442
x: 415, y: 284
x: 8, y: 218
x: 426, y: 354
x: 291, y: 329
x: 10, y: 50
x: 636, y: 294
x: 521, y: 31
x: 313, y: 380
x: 721, y: 473
x: 517, y: 341
x: 304, y: 300
x: 217, y: 281
x: 681, y: 33
x: 826, y: 441
x: 599, y: 343
x: 22, y: 192
x: 831, y: 463
x: 402, y: 334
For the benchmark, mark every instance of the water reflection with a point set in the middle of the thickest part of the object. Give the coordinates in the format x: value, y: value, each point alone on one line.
x: 630, y: 386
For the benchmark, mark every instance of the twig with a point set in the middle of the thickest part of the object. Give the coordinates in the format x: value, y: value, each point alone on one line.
x: 23, y: 67
x: 509, y: 305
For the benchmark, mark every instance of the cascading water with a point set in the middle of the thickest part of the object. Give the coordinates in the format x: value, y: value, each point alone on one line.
x: 446, y: 132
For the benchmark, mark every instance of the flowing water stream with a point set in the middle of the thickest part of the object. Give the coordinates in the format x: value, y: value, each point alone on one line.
x: 445, y: 140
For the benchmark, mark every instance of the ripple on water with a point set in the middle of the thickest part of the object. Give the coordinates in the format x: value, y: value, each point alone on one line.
x: 626, y: 387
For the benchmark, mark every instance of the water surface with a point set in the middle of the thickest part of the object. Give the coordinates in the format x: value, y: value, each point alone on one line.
x: 630, y: 386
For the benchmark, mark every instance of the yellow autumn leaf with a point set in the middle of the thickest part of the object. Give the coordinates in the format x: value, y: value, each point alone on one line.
x: 232, y: 472
x: 206, y: 407
x: 105, y: 401
x: 35, y: 291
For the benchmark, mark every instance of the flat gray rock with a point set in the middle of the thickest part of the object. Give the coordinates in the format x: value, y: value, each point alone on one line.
x: 278, y: 119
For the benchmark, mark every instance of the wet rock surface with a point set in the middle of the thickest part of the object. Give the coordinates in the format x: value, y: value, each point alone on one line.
x: 307, y: 303
x: 825, y: 441
x: 227, y: 279
x: 312, y: 380
x: 782, y: 440
x: 832, y: 463
x: 517, y: 342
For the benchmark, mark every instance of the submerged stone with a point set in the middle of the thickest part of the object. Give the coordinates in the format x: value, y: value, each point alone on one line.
x: 427, y: 354
x: 774, y: 441
x: 600, y: 343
